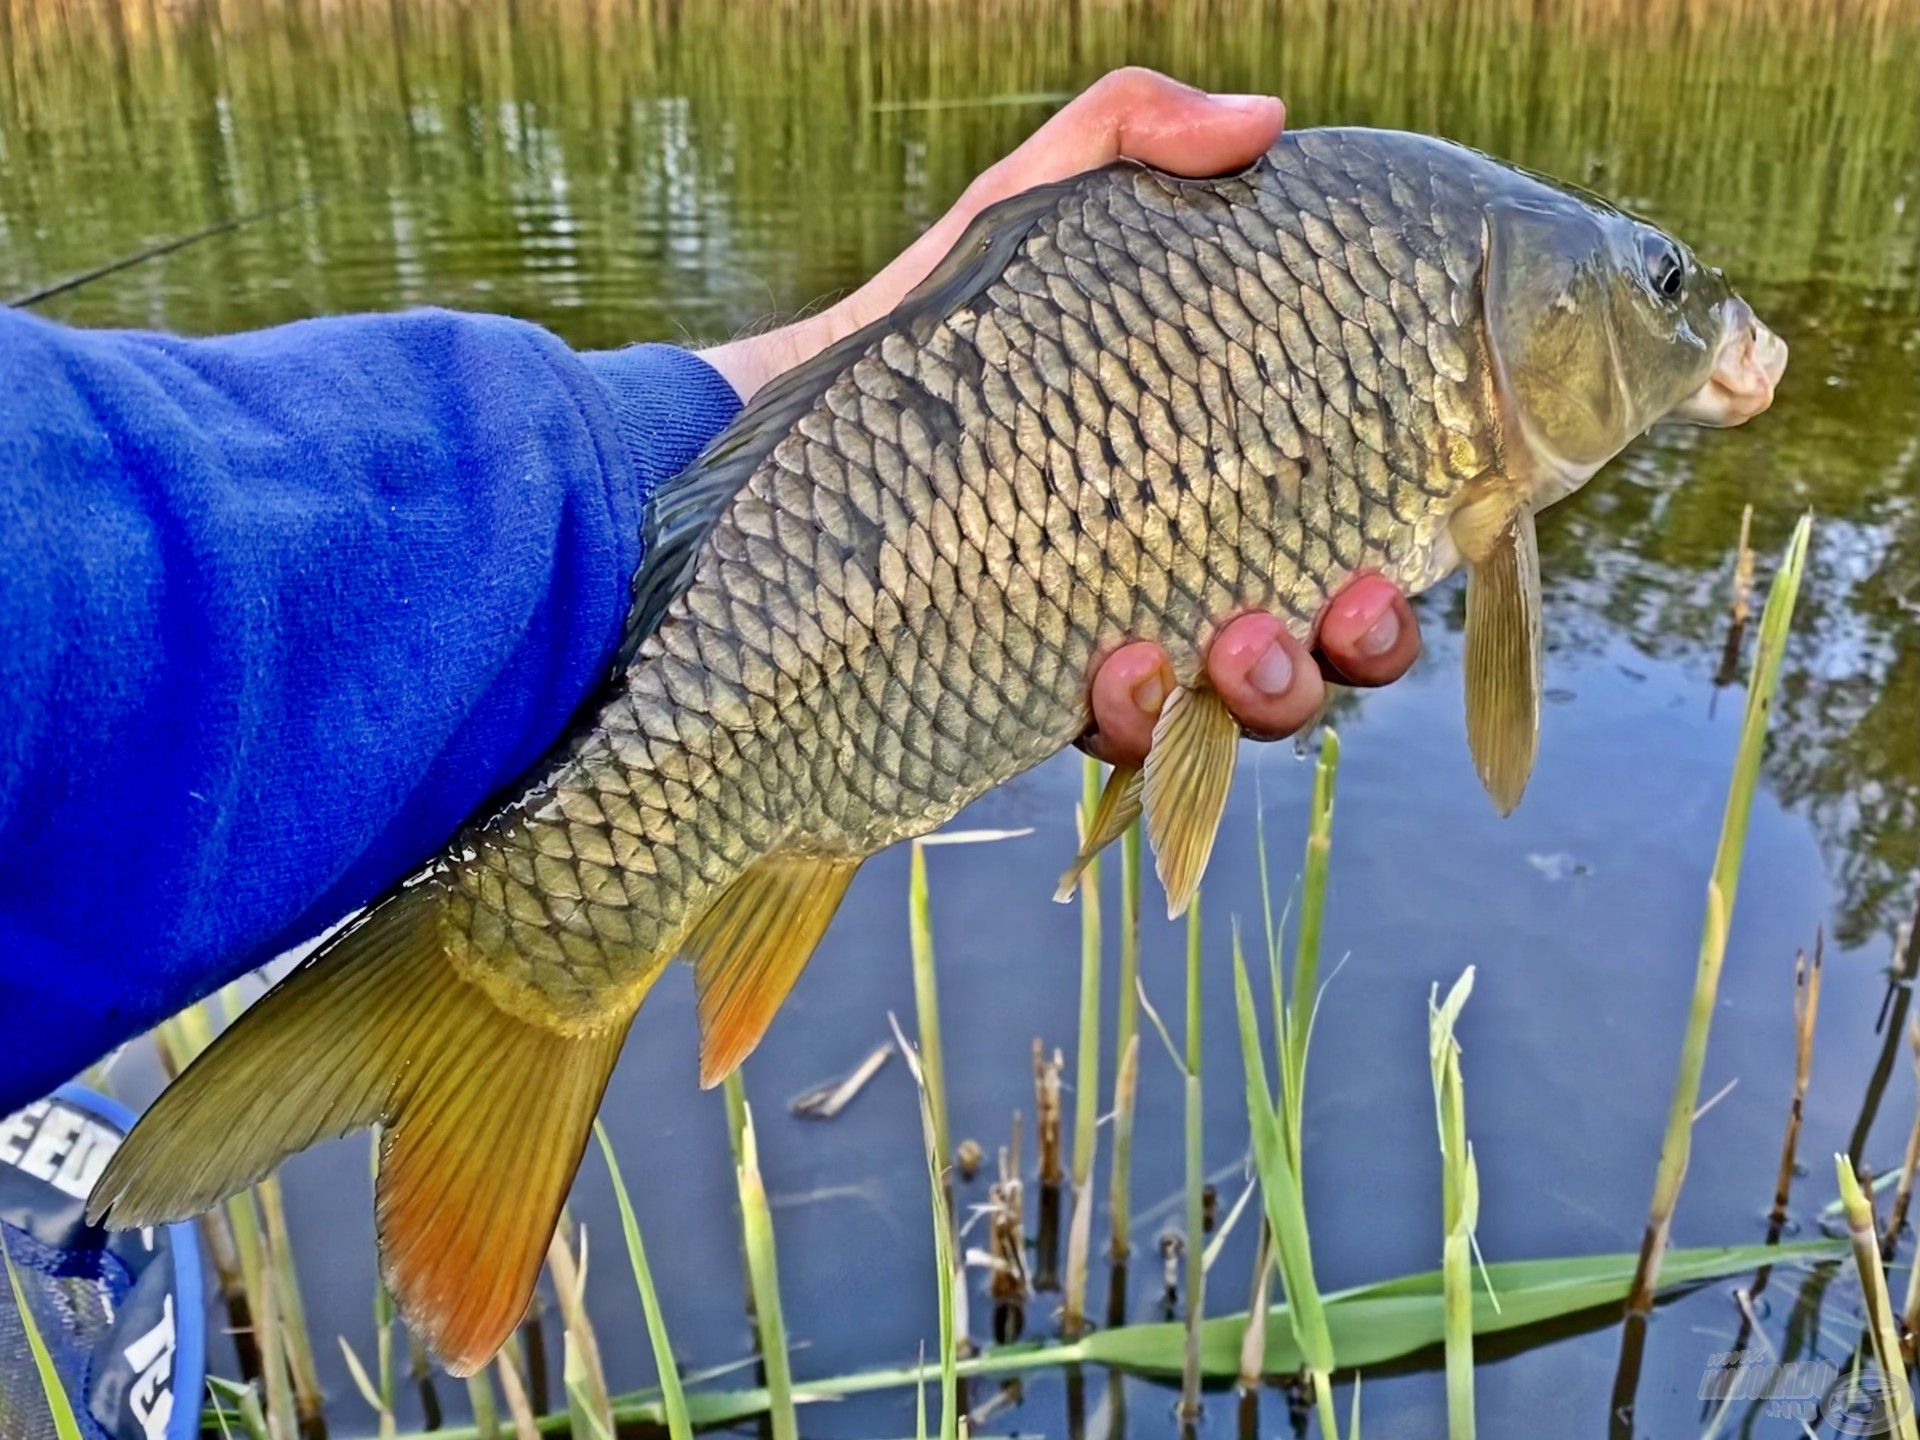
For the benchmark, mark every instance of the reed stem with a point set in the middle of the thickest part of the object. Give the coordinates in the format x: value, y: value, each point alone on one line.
x: 1864, y: 1236
x: 1196, y: 1279
x: 926, y: 997
x: 1806, y: 1010
x: 1086, y: 1085
x: 764, y: 1276
x: 1722, y: 888
x: 1304, y: 993
x: 1460, y: 1201
x: 1126, y: 1042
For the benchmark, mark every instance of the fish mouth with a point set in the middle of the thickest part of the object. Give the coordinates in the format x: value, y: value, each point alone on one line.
x: 1745, y: 372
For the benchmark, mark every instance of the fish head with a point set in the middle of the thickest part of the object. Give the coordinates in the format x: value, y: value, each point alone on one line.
x: 1602, y: 325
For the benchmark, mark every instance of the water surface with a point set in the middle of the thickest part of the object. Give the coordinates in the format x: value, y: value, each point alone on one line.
x: 624, y: 171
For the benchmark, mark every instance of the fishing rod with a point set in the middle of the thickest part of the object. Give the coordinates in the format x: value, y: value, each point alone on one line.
x: 152, y: 252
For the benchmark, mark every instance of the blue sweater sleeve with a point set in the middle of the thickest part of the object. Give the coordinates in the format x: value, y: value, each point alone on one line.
x: 277, y: 612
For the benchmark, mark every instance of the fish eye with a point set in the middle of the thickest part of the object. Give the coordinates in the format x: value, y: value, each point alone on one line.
x: 1666, y: 271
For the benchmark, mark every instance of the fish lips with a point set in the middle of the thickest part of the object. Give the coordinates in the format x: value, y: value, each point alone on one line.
x: 1745, y: 373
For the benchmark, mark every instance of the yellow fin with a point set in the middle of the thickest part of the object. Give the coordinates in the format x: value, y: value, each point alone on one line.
x: 1503, y: 662
x: 1189, y: 772
x: 1119, y: 807
x: 483, y: 1115
x: 752, y: 945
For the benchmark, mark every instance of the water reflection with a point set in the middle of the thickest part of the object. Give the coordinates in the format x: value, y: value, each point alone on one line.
x: 623, y: 171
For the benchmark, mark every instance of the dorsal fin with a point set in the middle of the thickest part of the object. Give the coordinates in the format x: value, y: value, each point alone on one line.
x: 682, y: 512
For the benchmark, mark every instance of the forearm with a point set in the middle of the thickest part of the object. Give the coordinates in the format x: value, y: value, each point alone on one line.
x: 278, y: 611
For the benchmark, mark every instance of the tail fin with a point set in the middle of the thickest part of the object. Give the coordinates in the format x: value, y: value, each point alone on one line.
x: 484, y: 1117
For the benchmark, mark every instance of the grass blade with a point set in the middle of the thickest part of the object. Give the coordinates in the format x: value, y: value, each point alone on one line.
x: 1126, y: 1041
x: 1086, y: 1096
x: 763, y: 1276
x: 1460, y: 1202
x: 1196, y: 1177
x: 945, y: 1260
x: 1865, y: 1239
x: 673, y: 1397
x: 1280, y: 1187
x: 1722, y: 886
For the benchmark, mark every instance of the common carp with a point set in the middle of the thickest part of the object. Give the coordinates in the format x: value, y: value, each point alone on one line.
x: 1124, y: 406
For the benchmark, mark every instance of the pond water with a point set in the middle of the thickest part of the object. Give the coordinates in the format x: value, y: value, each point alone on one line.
x: 637, y: 169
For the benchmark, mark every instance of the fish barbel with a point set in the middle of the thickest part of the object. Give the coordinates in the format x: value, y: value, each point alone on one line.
x: 1125, y: 406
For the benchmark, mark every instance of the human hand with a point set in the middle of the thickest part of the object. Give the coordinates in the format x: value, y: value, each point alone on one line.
x: 1272, y: 683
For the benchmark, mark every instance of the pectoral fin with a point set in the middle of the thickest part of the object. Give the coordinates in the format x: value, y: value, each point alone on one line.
x: 1503, y: 661
x: 1119, y: 807
x: 748, y: 950
x: 1189, y: 772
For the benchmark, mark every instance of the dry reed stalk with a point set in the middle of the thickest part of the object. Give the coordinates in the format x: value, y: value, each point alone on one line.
x: 1046, y: 1129
x: 1740, y: 607
x: 1806, y: 1009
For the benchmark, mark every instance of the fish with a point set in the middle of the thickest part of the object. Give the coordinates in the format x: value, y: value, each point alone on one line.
x: 1125, y: 406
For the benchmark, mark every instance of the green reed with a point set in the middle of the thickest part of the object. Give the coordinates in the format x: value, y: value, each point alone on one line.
x: 1126, y: 1041
x: 1723, y: 884
x: 1086, y: 1085
x: 673, y: 1396
x: 763, y: 1274
x: 1864, y: 1237
x: 926, y: 999
x: 949, y: 1276
x: 1460, y: 1200
x: 1196, y: 1175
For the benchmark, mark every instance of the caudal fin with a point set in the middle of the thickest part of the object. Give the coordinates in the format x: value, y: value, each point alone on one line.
x: 484, y: 1117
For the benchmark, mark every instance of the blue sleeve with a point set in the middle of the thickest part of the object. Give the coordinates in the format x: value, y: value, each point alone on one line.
x: 277, y: 612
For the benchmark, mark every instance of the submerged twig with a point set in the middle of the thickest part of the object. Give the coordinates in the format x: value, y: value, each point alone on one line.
x: 825, y: 1101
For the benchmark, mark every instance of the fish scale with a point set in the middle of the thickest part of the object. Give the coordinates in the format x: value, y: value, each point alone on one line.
x: 1124, y: 407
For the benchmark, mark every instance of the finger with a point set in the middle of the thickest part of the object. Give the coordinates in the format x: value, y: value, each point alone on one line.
x: 1267, y: 677
x: 1129, y: 688
x: 1368, y: 634
x: 1142, y: 115
x: 1136, y: 113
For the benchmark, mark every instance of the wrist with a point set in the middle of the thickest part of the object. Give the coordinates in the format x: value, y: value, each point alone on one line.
x: 752, y: 361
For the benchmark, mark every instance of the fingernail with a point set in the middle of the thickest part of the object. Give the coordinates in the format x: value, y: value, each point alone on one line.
x: 1272, y: 673
x: 1381, y: 636
x: 1245, y: 102
x: 1151, y: 693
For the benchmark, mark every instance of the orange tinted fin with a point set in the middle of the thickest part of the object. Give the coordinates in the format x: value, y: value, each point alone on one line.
x: 1189, y: 772
x: 484, y: 1117
x: 1119, y: 807
x: 752, y: 945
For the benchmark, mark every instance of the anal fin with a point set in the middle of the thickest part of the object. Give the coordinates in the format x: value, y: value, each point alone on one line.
x: 1189, y: 772
x: 1503, y: 663
x: 484, y: 1117
x: 751, y: 946
x: 1119, y: 807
